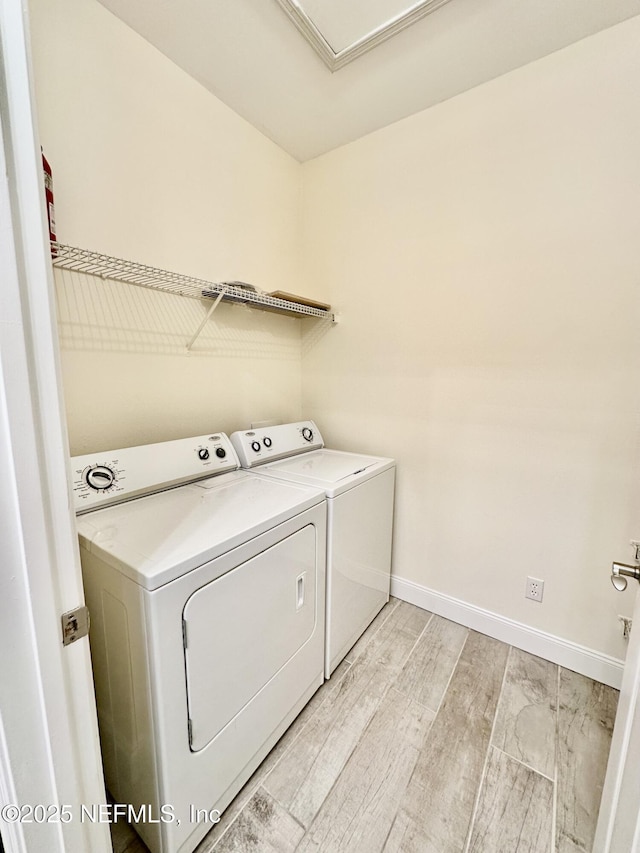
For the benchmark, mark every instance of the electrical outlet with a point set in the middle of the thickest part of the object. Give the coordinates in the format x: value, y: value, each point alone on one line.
x: 535, y: 588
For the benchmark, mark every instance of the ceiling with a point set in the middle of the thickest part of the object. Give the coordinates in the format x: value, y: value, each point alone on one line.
x: 250, y: 54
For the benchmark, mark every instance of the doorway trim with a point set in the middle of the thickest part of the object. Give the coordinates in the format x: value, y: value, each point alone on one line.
x: 51, y: 753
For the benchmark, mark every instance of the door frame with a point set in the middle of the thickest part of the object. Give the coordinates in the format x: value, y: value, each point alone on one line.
x: 49, y: 746
x: 618, y: 827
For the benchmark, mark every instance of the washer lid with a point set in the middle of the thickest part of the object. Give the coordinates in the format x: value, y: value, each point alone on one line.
x: 156, y: 539
x: 332, y: 470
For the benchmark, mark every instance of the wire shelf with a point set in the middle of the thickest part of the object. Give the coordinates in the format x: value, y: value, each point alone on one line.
x: 141, y: 275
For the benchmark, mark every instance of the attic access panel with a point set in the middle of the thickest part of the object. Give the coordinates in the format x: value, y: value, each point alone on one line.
x: 341, y: 31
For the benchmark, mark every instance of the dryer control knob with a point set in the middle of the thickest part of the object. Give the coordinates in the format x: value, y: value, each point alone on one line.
x: 267, y: 442
x: 221, y: 452
x: 100, y: 478
x: 203, y: 453
x: 255, y: 445
x: 307, y: 434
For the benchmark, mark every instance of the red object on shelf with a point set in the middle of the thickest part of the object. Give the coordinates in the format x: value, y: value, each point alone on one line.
x: 48, y: 191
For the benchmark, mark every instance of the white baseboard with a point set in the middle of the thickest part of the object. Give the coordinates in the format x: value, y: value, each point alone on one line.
x: 569, y: 655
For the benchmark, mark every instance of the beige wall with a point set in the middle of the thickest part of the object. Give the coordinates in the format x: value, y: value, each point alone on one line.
x: 149, y: 166
x: 484, y: 257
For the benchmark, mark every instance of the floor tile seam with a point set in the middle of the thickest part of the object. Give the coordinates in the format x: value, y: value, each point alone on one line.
x: 355, y: 747
x: 417, y: 701
x: 474, y: 813
x: 393, y: 677
x: 392, y: 609
x: 232, y: 824
x: 319, y: 753
x: 555, y: 742
x: 424, y: 627
x: 303, y: 728
x: 285, y: 809
x: 240, y: 812
x: 249, y: 817
x: 351, y: 754
x: 393, y: 688
x: 260, y: 783
x: 403, y: 662
x: 389, y: 831
x: 297, y: 790
x: 522, y: 763
x: 451, y: 674
x: 429, y: 734
x: 401, y: 630
x: 364, y: 687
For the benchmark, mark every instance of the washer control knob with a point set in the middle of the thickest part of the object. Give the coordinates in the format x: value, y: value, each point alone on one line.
x: 267, y: 442
x: 100, y: 478
x: 255, y: 445
x: 307, y: 434
x: 203, y: 453
x: 221, y: 452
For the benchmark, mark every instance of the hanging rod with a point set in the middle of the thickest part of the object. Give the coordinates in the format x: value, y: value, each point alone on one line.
x: 141, y: 275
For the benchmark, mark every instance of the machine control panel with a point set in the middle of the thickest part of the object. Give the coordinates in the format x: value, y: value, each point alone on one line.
x: 257, y: 446
x: 100, y: 479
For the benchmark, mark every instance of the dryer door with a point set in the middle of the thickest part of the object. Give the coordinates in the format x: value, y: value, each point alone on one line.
x: 244, y: 627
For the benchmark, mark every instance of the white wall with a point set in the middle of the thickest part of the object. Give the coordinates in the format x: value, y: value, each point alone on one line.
x: 484, y: 257
x: 149, y: 166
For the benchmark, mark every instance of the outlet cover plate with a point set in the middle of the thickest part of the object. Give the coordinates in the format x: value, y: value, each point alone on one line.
x: 535, y: 589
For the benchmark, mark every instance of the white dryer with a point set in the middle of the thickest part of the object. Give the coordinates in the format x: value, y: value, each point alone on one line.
x: 205, y: 586
x: 359, y: 492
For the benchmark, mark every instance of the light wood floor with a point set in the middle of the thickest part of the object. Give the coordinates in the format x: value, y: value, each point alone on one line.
x: 428, y: 738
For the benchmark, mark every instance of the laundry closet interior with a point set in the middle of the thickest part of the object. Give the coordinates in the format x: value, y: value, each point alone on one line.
x: 480, y: 261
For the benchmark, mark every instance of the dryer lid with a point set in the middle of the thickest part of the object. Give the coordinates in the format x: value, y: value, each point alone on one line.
x: 156, y: 539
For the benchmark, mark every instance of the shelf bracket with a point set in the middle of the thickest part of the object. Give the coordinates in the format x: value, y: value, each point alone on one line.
x: 212, y: 308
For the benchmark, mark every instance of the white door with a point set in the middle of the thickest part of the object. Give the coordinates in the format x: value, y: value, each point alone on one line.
x: 49, y: 750
x: 262, y: 613
x: 618, y: 829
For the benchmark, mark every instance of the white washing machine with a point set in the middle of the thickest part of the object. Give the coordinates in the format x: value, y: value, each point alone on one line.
x: 206, y: 587
x: 359, y: 492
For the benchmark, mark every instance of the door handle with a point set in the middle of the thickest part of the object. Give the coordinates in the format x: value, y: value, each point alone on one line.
x: 300, y: 590
x: 620, y: 572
